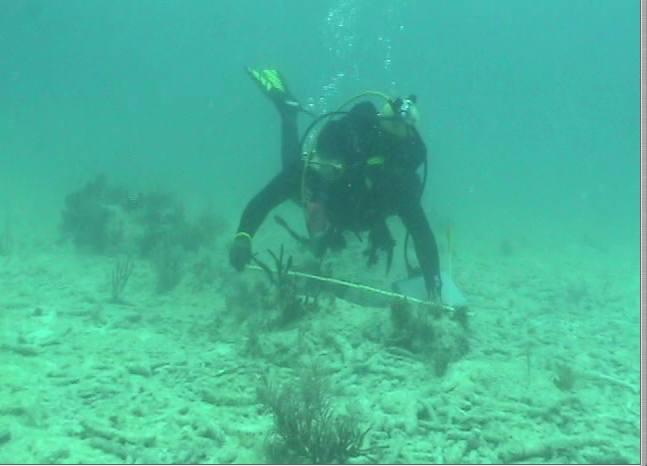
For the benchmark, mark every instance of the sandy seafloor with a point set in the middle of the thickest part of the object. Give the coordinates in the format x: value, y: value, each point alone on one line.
x: 171, y: 378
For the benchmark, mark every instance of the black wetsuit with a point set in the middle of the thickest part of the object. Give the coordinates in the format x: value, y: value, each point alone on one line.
x: 379, y: 180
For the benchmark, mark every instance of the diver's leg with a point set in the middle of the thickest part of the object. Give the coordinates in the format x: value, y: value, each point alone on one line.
x: 289, y: 138
x: 273, y: 85
x: 380, y: 238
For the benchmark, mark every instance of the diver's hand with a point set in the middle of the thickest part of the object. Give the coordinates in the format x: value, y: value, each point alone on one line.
x: 240, y: 252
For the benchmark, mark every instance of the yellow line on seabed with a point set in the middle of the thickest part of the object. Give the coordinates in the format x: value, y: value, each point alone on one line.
x: 370, y: 289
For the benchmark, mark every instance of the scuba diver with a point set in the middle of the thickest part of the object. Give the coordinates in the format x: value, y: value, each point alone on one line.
x: 361, y: 169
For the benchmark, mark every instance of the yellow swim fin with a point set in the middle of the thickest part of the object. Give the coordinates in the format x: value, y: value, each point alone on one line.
x: 272, y: 84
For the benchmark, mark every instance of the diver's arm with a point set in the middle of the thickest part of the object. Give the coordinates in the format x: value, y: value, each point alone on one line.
x: 282, y: 187
x: 415, y: 221
x: 414, y: 151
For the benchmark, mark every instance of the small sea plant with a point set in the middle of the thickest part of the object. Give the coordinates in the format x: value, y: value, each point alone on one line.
x: 167, y: 264
x: 122, y: 269
x: 291, y: 307
x: 307, y: 429
x: 565, y: 377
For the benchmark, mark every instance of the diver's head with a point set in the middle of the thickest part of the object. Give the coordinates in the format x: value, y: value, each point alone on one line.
x: 399, y: 115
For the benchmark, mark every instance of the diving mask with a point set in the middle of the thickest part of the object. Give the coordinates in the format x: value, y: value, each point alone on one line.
x: 406, y: 109
x: 402, y: 109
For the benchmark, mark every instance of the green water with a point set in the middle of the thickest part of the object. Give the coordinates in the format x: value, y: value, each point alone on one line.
x: 530, y: 112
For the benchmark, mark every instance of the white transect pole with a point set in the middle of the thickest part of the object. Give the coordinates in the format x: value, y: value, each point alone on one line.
x: 361, y: 287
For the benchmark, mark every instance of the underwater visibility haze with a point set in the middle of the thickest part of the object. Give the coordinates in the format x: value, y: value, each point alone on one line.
x: 132, y: 138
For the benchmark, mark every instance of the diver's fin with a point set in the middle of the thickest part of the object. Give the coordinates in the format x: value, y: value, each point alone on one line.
x: 272, y: 84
